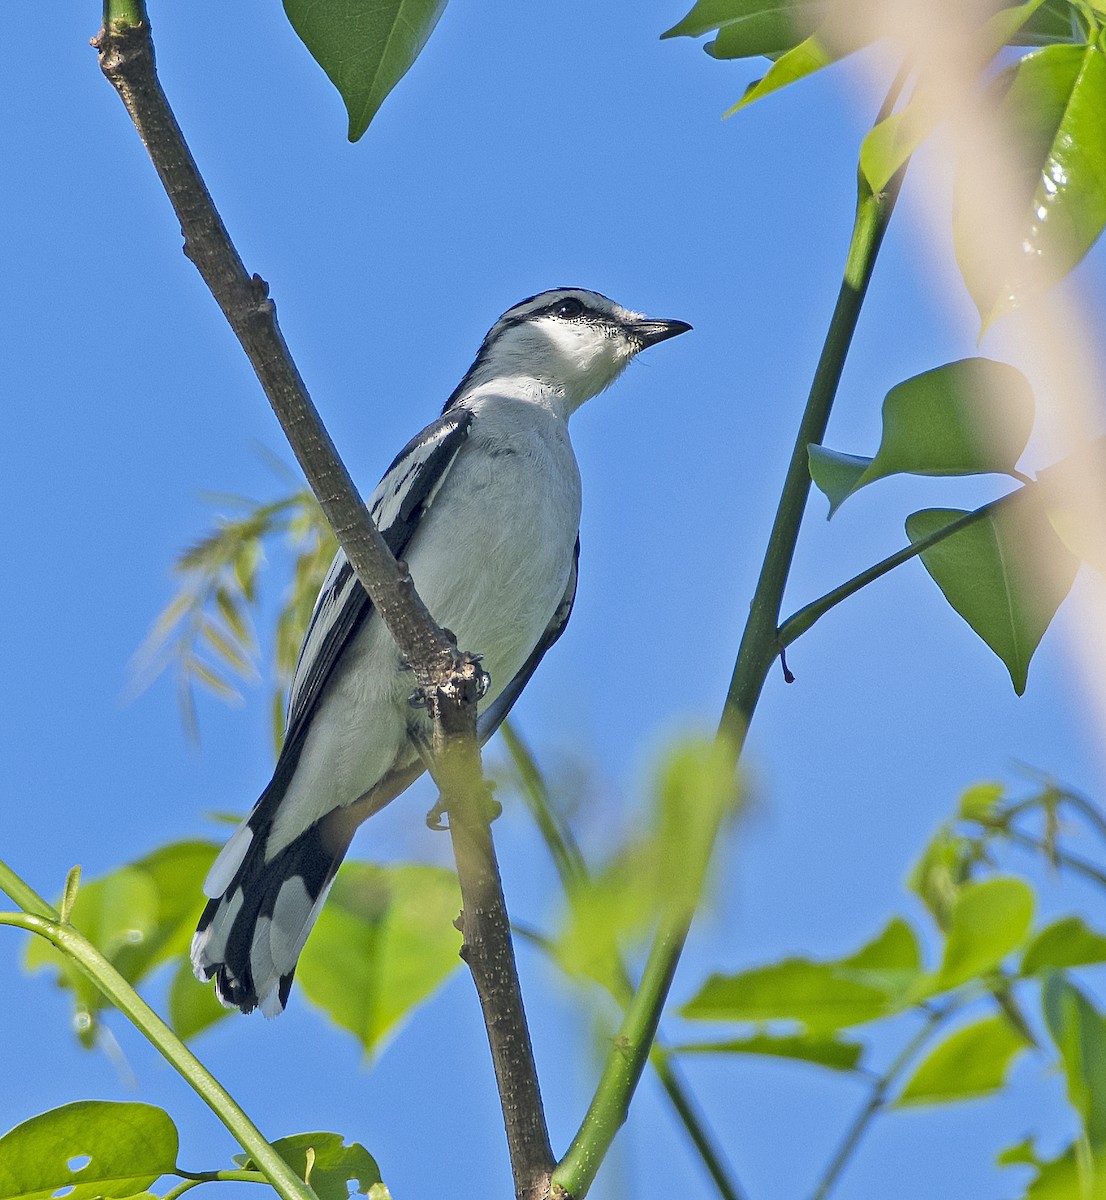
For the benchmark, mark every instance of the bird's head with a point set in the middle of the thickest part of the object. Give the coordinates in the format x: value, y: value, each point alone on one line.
x: 565, y: 345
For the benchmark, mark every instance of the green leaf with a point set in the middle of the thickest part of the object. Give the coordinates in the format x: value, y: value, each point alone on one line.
x: 193, y: 1006
x: 823, y: 996
x: 1079, y: 1032
x: 971, y: 1062
x: 1054, y: 102
x: 755, y: 26
x: 940, y: 872
x: 1022, y: 1153
x: 836, y: 475
x: 364, y: 46
x: 127, y: 1147
x: 117, y: 914
x: 1074, y: 1175
x: 981, y: 802
x: 384, y: 942
x: 660, y: 870
x: 335, y: 1166
x: 810, y: 55
x: 1065, y: 943
x: 989, y: 919
x: 939, y: 423
x: 1006, y: 574
x: 835, y: 1053
x: 1053, y: 22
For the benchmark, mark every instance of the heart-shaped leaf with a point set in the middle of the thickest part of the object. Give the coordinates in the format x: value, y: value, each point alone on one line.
x: 1006, y: 574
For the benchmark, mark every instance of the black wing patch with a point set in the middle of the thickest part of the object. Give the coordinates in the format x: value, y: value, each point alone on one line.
x: 343, y: 604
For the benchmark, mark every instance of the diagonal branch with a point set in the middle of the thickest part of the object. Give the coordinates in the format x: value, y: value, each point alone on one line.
x: 446, y: 677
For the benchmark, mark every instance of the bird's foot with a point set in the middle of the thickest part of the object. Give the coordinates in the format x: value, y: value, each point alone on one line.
x: 492, y: 810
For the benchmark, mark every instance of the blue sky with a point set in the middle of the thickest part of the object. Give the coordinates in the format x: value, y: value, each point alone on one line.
x: 530, y: 146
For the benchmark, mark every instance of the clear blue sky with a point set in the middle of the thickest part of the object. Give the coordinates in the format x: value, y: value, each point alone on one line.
x: 531, y: 146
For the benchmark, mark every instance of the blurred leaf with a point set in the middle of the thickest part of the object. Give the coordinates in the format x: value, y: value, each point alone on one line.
x: 835, y: 1053
x: 981, y: 802
x: 938, y: 423
x: 138, y: 917
x: 1065, y: 943
x: 117, y: 914
x: 1054, y: 103
x: 888, y: 145
x: 940, y: 873
x: 364, y: 46
x: 336, y: 1165
x: 823, y: 996
x: 1023, y: 1153
x: 127, y: 1146
x: 989, y: 919
x: 660, y: 871
x: 384, y: 942
x: 971, y: 1062
x: 1054, y: 21
x: 1006, y: 575
x: 1068, y: 488
x: 1074, y: 1175
x: 193, y: 1006
x: 1079, y: 1032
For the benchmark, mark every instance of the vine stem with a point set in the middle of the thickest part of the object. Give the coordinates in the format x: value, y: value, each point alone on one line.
x: 802, y: 620
x: 878, y: 1098
x: 757, y: 651
x: 96, y: 967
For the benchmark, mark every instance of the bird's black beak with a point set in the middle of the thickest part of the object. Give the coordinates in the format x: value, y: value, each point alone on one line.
x: 649, y: 333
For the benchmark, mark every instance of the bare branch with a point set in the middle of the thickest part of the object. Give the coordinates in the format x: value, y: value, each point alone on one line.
x: 448, y: 679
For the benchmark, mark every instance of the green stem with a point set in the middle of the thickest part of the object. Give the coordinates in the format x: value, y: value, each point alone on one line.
x: 756, y: 653
x: 194, y: 1180
x: 799, y: 622
x: 682, y: 1101
x: 1073, y: 862
x: 93, y: 964
x: 572, y: 870
x: 120, y: 13
x: 25, y: 896
x: 629, y: 1053
x: 759, y: 643
x: 878, y: 1098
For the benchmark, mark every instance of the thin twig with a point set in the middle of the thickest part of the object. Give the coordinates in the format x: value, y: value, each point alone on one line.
x: 446, y: 678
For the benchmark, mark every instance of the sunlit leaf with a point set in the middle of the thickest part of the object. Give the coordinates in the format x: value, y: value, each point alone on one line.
x: 1065, y: 943
x: 384, y: 942
x: 1054, y: 103
x: 127, y: 1147
x: 1079, y: 1032
x: 835, y: 1053
x: 940, y: 873
x: 810, y: 55
x: 364, y: 46
x: 939, y: 423
x: 1054, y: 21
x: 334, y: 1167
x: 989, y: 920
x: 1006, y: 575
x: 981, y: 802
x: 972, y: 1061
x: 823, y: 996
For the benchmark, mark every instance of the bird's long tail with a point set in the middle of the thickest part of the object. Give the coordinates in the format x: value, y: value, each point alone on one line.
x: 262, y: 908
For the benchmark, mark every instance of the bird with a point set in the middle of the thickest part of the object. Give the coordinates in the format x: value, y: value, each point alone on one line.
x: 484, y: 508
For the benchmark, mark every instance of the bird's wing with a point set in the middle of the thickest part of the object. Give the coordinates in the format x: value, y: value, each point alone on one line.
x: 492, y: 716
x: 397, y: 505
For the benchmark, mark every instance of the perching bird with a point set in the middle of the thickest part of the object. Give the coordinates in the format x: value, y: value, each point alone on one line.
x: 484, y: 506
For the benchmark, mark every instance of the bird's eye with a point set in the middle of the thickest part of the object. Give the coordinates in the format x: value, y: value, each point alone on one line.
x: 568, y: 308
